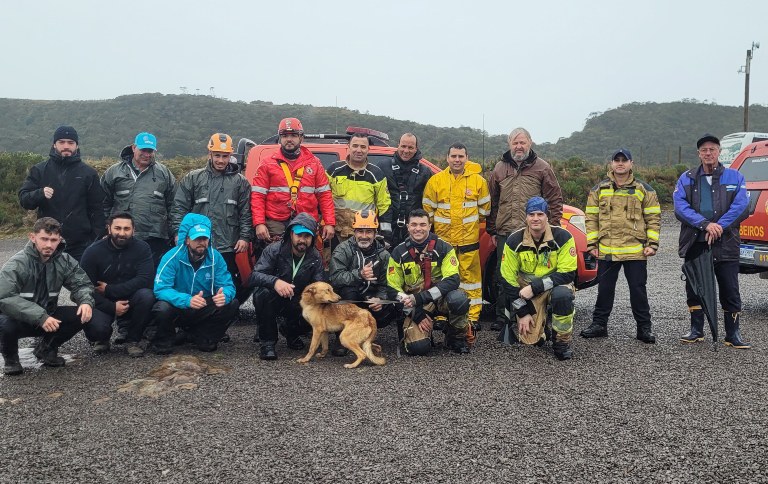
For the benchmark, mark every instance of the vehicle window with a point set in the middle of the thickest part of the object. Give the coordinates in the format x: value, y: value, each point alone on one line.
x: 755, y: 139
x: 327, y: 158
x: 729, y: 150
x: 755, y: 169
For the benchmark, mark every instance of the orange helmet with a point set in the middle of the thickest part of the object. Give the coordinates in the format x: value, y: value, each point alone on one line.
x: 290, y: 125
x: 220, y: 142
x: 366, y: 219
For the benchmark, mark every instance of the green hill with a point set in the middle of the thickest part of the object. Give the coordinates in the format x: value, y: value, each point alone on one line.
x: 653, y: 131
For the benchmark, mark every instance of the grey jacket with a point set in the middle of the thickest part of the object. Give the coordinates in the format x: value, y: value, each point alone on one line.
x: 29, y: 288
x: 147, y: 196
x: 223, y: 198
x: 348, y: 259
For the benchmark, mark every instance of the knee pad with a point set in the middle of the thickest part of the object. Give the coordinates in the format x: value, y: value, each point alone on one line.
x: 458, y: 302
x: 562, y: 300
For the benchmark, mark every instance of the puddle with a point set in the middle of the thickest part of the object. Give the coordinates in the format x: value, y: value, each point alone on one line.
x: 30, y: 362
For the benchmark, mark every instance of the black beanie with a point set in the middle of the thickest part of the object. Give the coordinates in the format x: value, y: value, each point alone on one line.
x: 65, y: 132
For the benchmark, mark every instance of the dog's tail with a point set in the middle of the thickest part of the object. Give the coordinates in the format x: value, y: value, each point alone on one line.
x: 376, y: 360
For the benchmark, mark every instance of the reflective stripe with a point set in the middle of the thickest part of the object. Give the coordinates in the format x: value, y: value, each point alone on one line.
x: 609, y: 192
x: 158, y: 193
x: 427, y: 201
x: 385, y: 226
x: 655, y: 209
x: 307, y: 190
x: 442, y: 220
x: 279, y: 189
x: 123, y: 192
x: 592, y: 235
x: 471, y: 204
x: 592, y: 209
x: 231, y: 202
x: 435, y: 292
x: 484, y: 200
x: 53, y: 294
x: 471, y: 286
x: 476, y: 302
x: 652, y: 234
x: 548, y: 284
x: 634, y: 249
x: 201, y: 200
x: 473, y: 218
x: 484, y: 212
x: 26, y: 294
x: 446, y: 206
x: 261, y: 190
x: 322, y: 189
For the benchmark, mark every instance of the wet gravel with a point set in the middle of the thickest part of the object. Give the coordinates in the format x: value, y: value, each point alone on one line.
x: 620, y: 411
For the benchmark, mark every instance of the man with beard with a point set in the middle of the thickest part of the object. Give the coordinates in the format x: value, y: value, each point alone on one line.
x: 423, y: 273
x: 406, y: 179
x: 194, y: 290
x: 518, y: 176
x: 121, y: 268
x: 67, y: 190
x: 29, y: 292
x: 222, y: 194
x: 282, y: 272
x: 358, y: 270
x: 144, y: 187
x: 290, y: 181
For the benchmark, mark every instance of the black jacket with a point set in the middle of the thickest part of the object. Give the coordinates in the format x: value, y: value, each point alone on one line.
x: 124, y: 270
x: 276, y: 262
x: 406, y: 181
x: 77, y: 196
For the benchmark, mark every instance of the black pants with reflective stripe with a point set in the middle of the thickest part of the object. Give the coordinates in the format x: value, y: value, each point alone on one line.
x: 11, y: 330
x: 636, y: 273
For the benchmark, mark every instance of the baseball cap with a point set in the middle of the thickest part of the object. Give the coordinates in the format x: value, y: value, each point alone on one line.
x: 300, y: 229
x: 621, y: 151
x: 145, y: 140
x: 199, y: 230
x: 707, y: 137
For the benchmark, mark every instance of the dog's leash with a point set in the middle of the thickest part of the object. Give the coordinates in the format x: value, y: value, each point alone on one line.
x: 370, y: 301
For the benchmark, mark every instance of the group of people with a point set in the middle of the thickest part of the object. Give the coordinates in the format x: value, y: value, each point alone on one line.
x: 156, y: 258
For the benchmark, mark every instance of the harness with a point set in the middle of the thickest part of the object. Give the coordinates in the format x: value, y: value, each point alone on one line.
x: 293, y: 184
x: 404, y: 185
x: 424, y: 259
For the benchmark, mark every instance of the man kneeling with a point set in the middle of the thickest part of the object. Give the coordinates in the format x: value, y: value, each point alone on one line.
x: 194, y: 289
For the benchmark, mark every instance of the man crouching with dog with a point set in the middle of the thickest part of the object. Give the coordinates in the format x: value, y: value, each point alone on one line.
x: 282, y: 272
x: 358, y: 270
x: 423, y: 273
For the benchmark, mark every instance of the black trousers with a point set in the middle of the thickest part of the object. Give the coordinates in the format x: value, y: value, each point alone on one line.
x: 205, y: 326
x: 269, y: 305
x: 138, y: 316
x: 727, y: 275
x: 242, y: 292
x: 501, y: 296
x: 636, y: 273
x: 158, y: 247
x: 11, y: 330
x: 383, y: 317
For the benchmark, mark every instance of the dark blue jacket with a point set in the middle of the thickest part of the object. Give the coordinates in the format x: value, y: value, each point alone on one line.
x: 730, y: 203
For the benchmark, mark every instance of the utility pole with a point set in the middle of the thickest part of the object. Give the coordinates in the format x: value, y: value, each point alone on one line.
x: 745, y: 69
x: 483, y: 141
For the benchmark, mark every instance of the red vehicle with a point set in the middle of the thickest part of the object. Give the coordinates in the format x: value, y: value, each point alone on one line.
x: 333, y: 147
x: 752, y: 163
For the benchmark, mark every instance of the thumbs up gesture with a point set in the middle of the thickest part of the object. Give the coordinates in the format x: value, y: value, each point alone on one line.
x: 197, y: 301
x: 219, y: 299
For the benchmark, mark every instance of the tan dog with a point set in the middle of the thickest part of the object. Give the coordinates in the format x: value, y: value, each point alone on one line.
x: 357, y: 326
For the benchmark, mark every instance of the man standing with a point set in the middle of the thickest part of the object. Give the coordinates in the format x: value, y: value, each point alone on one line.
x: 29, y: 292
x: 623, y: 224
x: 423, y: 273
x: 194, y: 290
x: 67, y: 190
x: 406, y: 179
x: 290, y: 181
x: 121, y: 268
x: 457, y: 201
x: 144, y: 188
x: 222, y: 194
x: 518, y: 176
x: 710, y: 203
x: 282, y: 272
x: 538, y: 268
x: 358, y: 185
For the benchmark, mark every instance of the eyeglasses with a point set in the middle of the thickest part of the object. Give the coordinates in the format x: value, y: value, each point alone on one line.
x: 708, y: 150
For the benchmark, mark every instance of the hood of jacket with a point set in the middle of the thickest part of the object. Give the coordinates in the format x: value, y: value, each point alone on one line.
x: 507, y: 158
x: 54, y: 156
x: 304, y: 219
x: 189, y: 221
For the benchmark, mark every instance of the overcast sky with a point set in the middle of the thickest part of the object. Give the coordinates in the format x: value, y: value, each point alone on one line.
x: 545, y: 65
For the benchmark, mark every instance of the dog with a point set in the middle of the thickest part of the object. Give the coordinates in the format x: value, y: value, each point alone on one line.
x: 357, y: 326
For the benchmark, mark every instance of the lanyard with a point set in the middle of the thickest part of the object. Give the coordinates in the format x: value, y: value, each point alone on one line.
x: 296, y: 266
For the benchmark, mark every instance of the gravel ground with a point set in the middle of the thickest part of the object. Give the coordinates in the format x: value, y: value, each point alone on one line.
x: 620, y: 411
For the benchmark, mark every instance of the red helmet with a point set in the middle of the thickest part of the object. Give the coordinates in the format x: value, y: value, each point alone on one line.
x: 290, y: 125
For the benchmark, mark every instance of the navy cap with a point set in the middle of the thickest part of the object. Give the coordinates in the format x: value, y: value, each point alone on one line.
x: 707, y: 137
x: 536, y: 204
x: 622, y: 151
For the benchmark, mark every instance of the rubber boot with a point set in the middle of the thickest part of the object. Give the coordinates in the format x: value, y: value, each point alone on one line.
x: 595, y: 330
x: 562, y: 346
x: 456, y: 339
x: 12, y: 365
x: 732, y: 333
x: 696, y: 334
x: 267, y: 351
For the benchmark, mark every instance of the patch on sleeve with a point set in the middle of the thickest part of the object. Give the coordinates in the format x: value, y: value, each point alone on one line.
x: 453, y: 261
x: 572, y: 251
x: 391, y: 270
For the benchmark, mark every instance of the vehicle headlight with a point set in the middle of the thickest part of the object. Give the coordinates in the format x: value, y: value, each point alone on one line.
x: 579, y: 221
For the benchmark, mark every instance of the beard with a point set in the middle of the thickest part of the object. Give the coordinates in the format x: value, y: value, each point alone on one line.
x: 521, y: 157
x: 119, y: 242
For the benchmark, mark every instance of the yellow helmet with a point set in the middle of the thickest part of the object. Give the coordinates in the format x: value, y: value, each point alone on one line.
x: 366, y: 219
x: 220, y: 142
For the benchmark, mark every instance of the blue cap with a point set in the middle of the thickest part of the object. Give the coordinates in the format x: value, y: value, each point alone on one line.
x: 300, y: 229
x: 199, y: 230
x: 536, y: 204
x: 145, y: 140
x: 622, y: 151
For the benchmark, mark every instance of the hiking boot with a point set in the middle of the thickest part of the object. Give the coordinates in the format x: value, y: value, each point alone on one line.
x: 48, y: 356
x: 12, y: 365
x: 122, y: 336
x: 646, y: 335
x: 696, y: 334
x: 456, y: 339
x: 181, y: 338
x: 100, y: 347
x: 595, y: 330
x: 267, y: 352
x: 295, y: 343
x: 732, y: 333
x: 134, y: 350
x: 562, y: 347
